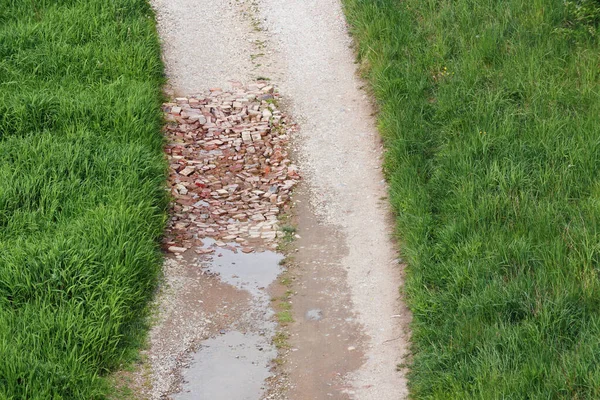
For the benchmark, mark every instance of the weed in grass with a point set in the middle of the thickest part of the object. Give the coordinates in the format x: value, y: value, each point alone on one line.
x: 288, y: 260
x: 491, y: 122
x: 260, y: 44
x: 581, y: 20
x: 289, y: 229
x: 281, y: 340
x: 285, y: 317
x: 289, y: 235
x: 286, y: 281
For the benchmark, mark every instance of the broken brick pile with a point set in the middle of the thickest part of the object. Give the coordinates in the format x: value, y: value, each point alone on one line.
x: 229, y: 171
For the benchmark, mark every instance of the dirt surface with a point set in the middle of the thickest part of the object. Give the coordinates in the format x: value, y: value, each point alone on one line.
x: 192, y: 306
x: 327, y: 342
x: 230, y: 179
x: 350, y: 326
x: 340, y: 154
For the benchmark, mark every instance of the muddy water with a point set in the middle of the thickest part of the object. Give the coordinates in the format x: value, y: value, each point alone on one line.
x: 236, y: 361
x: 229, y: 366
x: 252, y: 272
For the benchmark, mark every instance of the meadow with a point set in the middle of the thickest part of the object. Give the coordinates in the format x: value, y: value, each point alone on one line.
x: 82, y: 199
x: 490, y: 113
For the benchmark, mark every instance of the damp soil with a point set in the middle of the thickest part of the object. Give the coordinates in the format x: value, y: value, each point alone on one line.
x: 213, y: 337
x: 326, y: 341
x: 236, y: 362
x: 232, y: 365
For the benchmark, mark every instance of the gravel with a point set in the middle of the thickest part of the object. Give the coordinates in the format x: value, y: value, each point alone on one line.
x: 304, y: 47
x: 340, y: 156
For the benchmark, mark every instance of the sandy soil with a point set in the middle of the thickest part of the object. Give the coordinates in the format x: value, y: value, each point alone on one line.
x: 347, y: 263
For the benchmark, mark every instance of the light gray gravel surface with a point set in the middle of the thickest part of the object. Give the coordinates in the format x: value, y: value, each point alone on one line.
x: 209, y: 43
x: 340, y: 152
x: 304, y: 46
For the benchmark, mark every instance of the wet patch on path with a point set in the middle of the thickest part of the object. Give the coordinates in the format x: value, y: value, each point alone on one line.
x: 252, y: 272
x: 235, y: 362
x: 215, y: 315
x: 230, y: 179
x: 230, y: 366
x: 325, y: 340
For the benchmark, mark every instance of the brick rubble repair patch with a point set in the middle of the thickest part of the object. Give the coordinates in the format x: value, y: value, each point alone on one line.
x: 230, y: 175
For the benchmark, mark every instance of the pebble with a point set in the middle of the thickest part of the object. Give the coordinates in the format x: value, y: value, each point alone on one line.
x: 176, y: 249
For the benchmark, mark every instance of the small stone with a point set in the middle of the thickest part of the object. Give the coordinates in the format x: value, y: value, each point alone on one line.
x: 246, y: 137
x: 204, y: 251
x: 268, y: 235
x: 182, y: 225
x: 176, y: 249
x: 247, y: 250
x: 266, y: 97
x: 181, y: 189
x: 258, y: 217
x: 187, y: 171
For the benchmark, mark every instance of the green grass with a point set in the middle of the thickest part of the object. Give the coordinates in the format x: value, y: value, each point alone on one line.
x: 490, y: 112
x: 82, y: 204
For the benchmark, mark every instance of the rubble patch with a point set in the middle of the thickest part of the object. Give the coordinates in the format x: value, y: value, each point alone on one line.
x: 229, y: 171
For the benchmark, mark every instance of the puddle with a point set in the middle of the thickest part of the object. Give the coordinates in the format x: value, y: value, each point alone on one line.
x: 314, y: 315
x: 229, y: 366
x: 253, y: 272
x: 236, y: 363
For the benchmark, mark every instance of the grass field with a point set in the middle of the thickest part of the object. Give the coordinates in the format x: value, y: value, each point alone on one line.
x: 82, y: 204
x: 490, y: 111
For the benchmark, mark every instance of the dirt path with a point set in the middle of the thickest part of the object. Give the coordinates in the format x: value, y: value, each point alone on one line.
x: 350, y: 326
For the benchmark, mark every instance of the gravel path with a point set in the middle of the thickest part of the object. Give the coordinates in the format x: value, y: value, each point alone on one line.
x: 303, y: 46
